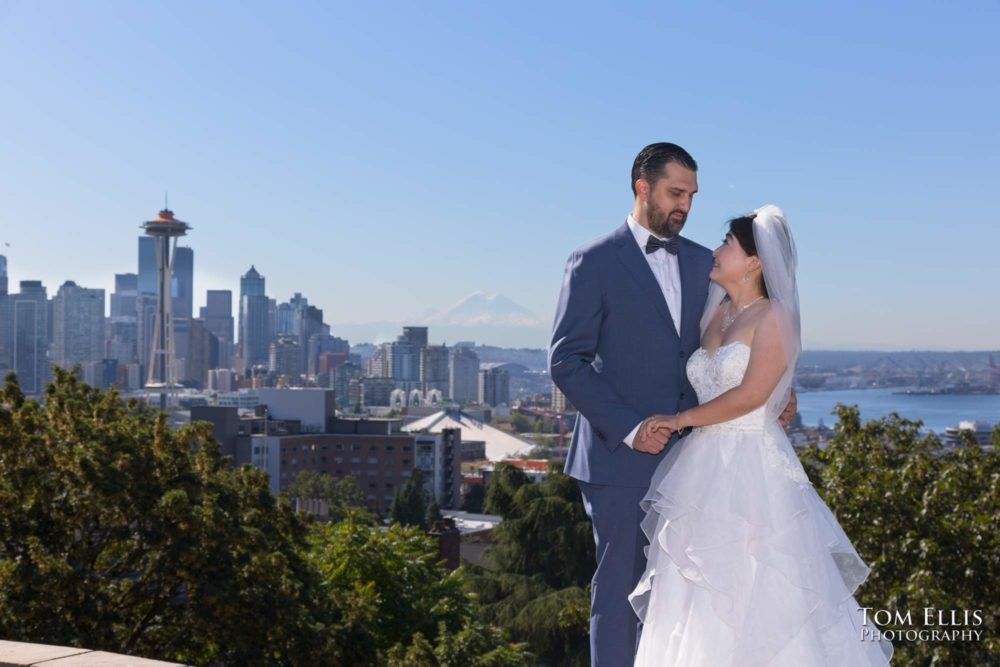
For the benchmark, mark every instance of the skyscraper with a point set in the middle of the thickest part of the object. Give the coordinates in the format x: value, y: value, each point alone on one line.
x: 254, y: 338
x: 182, y: 306
x: 203, y: 352
x: 4, y: 325
x: 252, y: 284
x: 324, y: 343
x: 147, y: 265
x: 285, y: 358
x: 28, y: 336
x: 123, y: 333
x: 145, y: 313
x: 434, y: 371
x: 404, y: 363
x: 417, y: 336
x: 123, y: 298
x: 182, y: 283
x: 494, y: 387
x: 463, y: 375
x: 217, y: 313
x: 77, y: 325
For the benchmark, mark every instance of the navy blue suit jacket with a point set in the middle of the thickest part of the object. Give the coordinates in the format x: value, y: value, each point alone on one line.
x: 616, y: 355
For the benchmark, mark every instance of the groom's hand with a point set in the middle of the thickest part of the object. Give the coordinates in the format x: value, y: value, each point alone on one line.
x: 786, y: 416
x: 650, y: 441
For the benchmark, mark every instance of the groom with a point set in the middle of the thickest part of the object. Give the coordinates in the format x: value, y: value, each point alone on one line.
x: 628, y: 318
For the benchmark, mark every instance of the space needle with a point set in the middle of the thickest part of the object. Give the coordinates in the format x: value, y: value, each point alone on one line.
x: 162, y: 375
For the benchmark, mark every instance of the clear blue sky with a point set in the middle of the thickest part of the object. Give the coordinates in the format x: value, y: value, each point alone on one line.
x: 390, y: 158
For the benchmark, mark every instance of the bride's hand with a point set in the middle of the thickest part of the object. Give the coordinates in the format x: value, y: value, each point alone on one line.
x: 658, y: 423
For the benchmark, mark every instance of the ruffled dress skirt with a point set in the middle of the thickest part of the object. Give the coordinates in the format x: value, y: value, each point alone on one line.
x: 746, y: 565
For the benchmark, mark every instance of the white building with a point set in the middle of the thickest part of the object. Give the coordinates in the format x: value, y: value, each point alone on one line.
x: 499, y: 444
x: 313, y: 407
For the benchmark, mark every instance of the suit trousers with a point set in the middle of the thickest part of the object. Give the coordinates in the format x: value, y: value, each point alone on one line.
x: 621, y: 560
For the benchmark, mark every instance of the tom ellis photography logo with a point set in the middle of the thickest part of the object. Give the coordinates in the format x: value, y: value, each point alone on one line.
x: 929, y: 624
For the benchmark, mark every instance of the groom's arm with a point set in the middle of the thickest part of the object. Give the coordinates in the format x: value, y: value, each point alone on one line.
x: 572, y: 351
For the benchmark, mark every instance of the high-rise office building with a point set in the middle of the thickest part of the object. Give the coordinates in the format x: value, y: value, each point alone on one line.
x: 404, y: 362
x: 122, y: 337
x: 4, y: 318
x: 182, y: 306
x: 182, y: 284
x: 285, y: 321
x: 123, y: 298
x: 147, y: 266
x: 321, y: 343
x: 463, y: 375
x: 254, y: 338
x: 434, y: 368
x: 28, y: 312
x: 122, y: 340
x: 203, y: 352
x: 378, y: 363
x: 285, y: 358
x: 417, y: 336
x: 341, y: 378
x: 252, y: 290
x: 251, y: 284
x: 77, y: 325
x: 494, y: 387
x: 559, y: 402
x: 145, y: 323
x: 217, y: 314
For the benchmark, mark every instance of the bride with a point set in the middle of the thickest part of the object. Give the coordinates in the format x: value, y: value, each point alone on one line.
x: 746, y: 565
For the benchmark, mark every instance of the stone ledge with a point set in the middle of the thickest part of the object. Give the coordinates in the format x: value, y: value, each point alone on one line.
x: 22, y: 654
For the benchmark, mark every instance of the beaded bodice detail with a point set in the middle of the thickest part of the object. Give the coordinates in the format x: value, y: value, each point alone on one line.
x: 714, y: 373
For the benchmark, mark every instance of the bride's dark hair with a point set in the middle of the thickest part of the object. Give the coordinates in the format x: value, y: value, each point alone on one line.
x: 742, y: 230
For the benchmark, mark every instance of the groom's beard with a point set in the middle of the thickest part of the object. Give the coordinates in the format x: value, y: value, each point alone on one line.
x: 665, y: 225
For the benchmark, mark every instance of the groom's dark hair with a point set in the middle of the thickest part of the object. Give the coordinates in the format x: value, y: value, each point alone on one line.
x: 651, y: 160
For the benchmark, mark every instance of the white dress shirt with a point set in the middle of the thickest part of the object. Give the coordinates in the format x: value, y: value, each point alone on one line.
x: 667, y: 271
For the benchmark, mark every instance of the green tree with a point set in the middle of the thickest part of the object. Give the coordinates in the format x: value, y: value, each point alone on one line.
x: 401, y: 606
x: 119, y: 533
x: 546, y: 532
x: 504, y: 482
x: 473, y: 501
x: 433, y: 513
x: 925, y: 519
x: 520, y: 422
x: 343, y: 495
x: 541, y: 563
x: 409, y: 504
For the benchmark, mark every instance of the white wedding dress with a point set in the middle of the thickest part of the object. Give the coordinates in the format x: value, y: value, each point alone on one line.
x: 747, y: 566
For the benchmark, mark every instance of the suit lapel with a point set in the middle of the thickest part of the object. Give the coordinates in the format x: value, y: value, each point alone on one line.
x: 693, y: 289
x: 631, y: 256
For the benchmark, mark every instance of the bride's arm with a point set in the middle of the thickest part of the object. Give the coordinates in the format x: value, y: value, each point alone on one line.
x: 767, y: 365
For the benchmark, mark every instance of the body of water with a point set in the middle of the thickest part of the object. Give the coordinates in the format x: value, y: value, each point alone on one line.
x: 937, y: 412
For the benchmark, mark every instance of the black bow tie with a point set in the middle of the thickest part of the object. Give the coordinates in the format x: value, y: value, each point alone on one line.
x: 670, y: 245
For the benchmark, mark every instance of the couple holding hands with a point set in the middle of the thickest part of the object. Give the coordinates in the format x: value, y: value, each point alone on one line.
x: 713, y: 548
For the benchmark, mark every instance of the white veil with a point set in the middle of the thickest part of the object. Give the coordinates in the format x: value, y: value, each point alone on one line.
x: 778, y: 260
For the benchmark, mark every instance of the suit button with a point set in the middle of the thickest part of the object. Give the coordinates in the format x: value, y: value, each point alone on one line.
x: 682, y: 354
x: 682, y: 396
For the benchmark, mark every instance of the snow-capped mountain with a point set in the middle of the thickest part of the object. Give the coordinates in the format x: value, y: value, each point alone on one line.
x: 483, y: 309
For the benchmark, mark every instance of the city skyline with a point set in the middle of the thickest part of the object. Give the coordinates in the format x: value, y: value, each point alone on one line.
x: 478, y: 146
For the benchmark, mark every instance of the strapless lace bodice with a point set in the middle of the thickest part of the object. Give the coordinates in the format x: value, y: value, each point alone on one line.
x: 713, y: 374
